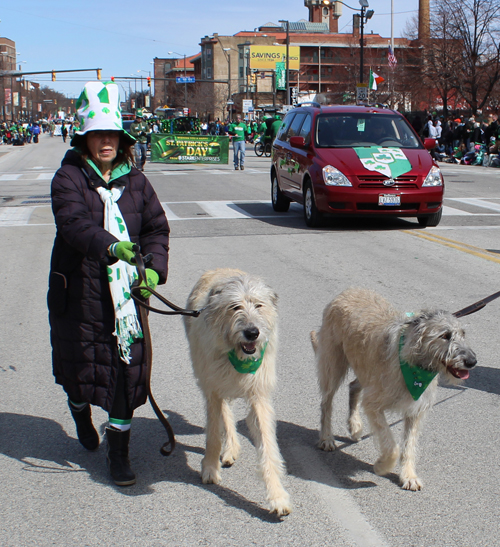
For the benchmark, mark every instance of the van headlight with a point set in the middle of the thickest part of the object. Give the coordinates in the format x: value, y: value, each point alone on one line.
x: 434, y: 177
x: 334, y: 177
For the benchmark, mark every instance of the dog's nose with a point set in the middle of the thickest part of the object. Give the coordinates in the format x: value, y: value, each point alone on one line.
x: 470, y: 360
x: 252, y: 333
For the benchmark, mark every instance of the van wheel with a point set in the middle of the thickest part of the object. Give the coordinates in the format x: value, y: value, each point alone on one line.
x: 312, y: 216
x: 428, y: 221
x: 281, y: 204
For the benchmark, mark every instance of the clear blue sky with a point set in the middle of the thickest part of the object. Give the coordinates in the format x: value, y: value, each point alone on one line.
x: 122, y: 38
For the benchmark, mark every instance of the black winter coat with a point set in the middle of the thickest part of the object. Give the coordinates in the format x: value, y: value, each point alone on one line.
x: 81, y: 316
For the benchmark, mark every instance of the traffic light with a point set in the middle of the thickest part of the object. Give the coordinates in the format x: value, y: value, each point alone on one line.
x: 254, y: 78
x: 53, y: 75
x: 112, y: 78
x: 149, y: 81
x: 98, y: 73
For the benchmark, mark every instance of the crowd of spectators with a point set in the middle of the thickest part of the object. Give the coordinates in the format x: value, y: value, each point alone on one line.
x: 468, y: 141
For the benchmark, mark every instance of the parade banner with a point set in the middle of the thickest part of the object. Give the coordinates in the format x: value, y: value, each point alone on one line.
x: 280, y: 76
x: 187, y: 148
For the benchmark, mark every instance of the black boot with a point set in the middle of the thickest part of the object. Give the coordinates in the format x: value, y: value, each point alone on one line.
x: 87, y: 435
x: 118, y: 462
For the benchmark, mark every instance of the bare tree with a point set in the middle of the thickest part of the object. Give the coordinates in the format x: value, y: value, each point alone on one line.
x: 441, y: 52
x: 474, y: 25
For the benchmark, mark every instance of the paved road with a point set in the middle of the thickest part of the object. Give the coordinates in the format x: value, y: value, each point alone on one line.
x: 55, y: 493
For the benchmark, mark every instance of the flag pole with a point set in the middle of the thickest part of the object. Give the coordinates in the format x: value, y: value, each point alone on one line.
x: 391, y: 83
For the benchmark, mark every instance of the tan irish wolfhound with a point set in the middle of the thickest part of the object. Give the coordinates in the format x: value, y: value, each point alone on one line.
x: 233, y: 350
x: 394, y: 357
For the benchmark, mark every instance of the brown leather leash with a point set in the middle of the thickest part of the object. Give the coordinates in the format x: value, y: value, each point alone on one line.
x: 479, y: 305
x: 169, y: 446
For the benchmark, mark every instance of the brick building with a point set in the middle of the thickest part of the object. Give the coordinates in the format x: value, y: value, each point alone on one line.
x: 329, y: 64
x: 166, y: 91
x: 8, y: 85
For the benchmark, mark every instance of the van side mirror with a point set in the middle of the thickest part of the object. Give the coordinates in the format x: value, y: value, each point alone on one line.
x: 430, y: 143
x: 297, y: 142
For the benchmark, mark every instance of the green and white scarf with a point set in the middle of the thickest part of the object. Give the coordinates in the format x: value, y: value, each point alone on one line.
x: 120, y: 275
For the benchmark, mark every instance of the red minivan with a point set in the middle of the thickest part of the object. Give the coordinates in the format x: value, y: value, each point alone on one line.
x: 354, y: 160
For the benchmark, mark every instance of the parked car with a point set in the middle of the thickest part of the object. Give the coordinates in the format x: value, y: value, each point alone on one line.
x: 354, y: 160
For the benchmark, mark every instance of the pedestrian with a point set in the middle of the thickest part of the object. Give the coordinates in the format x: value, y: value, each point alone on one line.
x: 139, y: 130
x: 275, y: 126
x: 36, y: 133
x: 102, y: 206
x: 239, y: 131
x: 64, y: 131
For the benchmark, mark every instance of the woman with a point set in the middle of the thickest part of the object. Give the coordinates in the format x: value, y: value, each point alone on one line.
x: 102, y: 207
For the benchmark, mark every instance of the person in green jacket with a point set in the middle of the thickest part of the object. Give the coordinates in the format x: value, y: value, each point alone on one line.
x: 239, y: 131
x: 139, y: 130
x: 275, y: 126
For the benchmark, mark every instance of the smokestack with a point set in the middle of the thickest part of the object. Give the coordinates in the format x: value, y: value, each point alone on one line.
x: 424, y: 21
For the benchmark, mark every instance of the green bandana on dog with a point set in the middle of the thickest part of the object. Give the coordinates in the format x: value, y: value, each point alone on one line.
x: 417, y: 379
x: 246, y: 366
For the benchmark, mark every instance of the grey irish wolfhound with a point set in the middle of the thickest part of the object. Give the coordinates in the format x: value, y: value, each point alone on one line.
x: 363, y: 331
x: 235, y: 331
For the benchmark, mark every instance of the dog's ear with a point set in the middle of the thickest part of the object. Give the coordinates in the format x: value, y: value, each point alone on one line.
x: 274, y: 298
x: 214, y: 291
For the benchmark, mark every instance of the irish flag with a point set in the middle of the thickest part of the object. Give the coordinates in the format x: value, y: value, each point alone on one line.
x: 375, y: 79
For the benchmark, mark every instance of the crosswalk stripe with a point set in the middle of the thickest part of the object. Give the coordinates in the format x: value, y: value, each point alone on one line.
x: 12, y: 176
x: 220, y: 210
x: 450, y: 211
x: 15, y: 216
x: 479, y: 202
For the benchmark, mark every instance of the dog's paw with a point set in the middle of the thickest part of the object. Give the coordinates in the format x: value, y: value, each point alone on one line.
x: 228, y: 458
x: 414, y: 484
x: 230, y: 453
x: 210, y: 475
x: 382, y: 467
x: 328, y: 444
x: 355, y: 429
x: 281, y: 506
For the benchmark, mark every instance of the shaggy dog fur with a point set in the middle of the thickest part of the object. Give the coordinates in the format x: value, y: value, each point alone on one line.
x: 362, y: 330
x: 239, y: 314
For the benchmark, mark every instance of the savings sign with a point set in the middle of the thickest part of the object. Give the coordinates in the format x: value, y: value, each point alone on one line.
x: 266, y: 57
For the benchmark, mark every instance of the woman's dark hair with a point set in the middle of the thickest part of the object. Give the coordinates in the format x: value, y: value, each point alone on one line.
x: 125, y: 153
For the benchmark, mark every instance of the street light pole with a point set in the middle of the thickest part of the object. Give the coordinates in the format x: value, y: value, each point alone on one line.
x: 185, y: 83
x: 364, y: 15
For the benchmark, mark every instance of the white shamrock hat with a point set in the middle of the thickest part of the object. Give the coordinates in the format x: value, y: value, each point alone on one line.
x: 98, y: 109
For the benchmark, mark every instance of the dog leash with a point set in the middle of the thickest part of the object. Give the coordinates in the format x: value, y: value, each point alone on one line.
x: 479, y: 305
x: 169, y: 446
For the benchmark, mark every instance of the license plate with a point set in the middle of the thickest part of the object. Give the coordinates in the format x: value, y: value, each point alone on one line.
x: 389, y: 199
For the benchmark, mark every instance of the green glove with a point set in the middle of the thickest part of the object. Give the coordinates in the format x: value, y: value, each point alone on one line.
x: 152, y: 278
x: 123, y: 251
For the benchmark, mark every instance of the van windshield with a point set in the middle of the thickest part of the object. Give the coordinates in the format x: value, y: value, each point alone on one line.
x: 364, y: 129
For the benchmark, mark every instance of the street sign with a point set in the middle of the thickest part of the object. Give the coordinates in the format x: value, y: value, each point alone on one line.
x: 185, y: 79
x: 230, y: 101
x: 247, y: 104
x: 361, y: 93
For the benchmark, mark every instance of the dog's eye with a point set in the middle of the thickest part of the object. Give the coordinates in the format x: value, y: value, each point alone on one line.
x: 258, y: 305
x: 446, y: 336
x: 236, y: 307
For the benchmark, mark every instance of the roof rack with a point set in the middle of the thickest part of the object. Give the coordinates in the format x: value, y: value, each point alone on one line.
x: 313, y: 103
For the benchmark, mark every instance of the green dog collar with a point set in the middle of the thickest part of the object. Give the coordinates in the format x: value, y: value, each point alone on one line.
x: 417, y: 379
x: 246, y: 366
